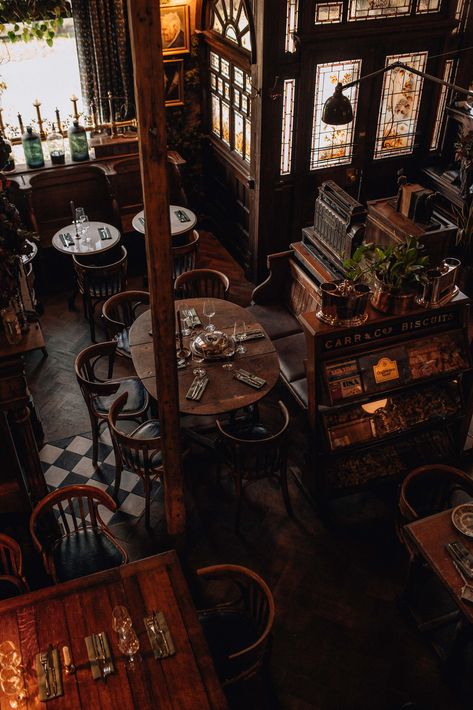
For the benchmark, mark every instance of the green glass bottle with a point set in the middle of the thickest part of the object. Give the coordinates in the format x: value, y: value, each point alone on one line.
x: 33, y: 149
x: 78, y: 142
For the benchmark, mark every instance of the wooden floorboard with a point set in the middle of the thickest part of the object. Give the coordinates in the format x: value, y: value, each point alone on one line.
x: 340, y: 642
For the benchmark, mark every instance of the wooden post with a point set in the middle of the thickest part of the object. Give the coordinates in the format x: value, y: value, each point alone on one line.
x: 145, y: 33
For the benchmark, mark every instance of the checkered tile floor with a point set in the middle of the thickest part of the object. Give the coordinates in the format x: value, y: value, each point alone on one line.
x: 69, y: 462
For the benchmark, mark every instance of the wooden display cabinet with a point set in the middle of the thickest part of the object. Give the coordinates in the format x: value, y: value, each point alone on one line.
x: 387, y: 396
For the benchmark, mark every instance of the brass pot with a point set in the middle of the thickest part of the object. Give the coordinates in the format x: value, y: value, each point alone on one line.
x: 391, y: 301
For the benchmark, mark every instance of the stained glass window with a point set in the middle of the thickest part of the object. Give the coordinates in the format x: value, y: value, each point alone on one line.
x: 327, y: 13
x: 447, y: 75
x: 333, y: 145
x: 377, y: 9
x: 229, y: 18
x: 230, y: 96
x: 287, y: 125
x: 399, y: 107
x: 424, y: 6
x: 292, y: 18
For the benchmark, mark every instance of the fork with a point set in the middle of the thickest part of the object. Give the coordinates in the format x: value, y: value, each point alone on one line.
x: 44, y: 662
x: 107, y: 664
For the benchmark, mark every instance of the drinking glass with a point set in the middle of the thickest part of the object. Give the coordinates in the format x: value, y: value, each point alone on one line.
x: 128, y: 643
x: 186, y: 319
x: 209, y: 311
x: 11, y: 682
x: 9, y: 655
x: 239, y: 333
x: 121, y: 620
x: 79, y: 214
x: 84, y: 227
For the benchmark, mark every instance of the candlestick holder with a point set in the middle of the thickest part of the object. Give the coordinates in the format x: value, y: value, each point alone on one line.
x: 39, y: 118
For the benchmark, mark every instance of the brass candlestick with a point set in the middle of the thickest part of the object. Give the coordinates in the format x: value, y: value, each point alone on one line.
x: 93, y: 113
x: 2, y: 125
x: 58, y: 121
x: 20, y: 121
x: 75, y: 112
x: 37, y: 104
x: 113, y: 129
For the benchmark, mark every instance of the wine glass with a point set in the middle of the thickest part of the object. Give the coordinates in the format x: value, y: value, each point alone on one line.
x: 186, y: 319
x: 128, y: 643
x: 121, y: 619
x: 84, y: 227
x: 239, y: 333
x: 79, y: 214
x: 9, y: 655
x: 11, y: 682
x: 209, y: 311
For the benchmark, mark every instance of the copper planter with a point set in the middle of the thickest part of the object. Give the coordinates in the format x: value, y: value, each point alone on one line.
x: 392, y: 301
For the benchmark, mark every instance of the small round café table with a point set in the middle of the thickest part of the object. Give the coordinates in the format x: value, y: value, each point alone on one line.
x: 178, y: 228
x: 89, y: 244
x: 223, y: 393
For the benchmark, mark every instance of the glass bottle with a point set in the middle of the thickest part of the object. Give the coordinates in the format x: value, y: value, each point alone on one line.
x: 11, y: 325
x: 78, y: 142
x: 55, y: 143
x: 33, y: 149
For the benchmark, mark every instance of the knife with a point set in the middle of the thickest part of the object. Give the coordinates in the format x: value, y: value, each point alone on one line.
x: 52, y: 668
x: 200, y: 388
x: 43, y: 657
x: 249, y: 376
x: 98, y: 655
x: 158, y: 630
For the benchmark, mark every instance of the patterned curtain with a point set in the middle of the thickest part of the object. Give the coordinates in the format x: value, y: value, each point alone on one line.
x: 103, y: 48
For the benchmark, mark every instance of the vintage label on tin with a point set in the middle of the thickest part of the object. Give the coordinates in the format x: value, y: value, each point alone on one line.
x: 385, y: 370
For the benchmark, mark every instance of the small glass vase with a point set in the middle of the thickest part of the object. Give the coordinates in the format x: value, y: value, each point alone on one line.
x: 11, y: 325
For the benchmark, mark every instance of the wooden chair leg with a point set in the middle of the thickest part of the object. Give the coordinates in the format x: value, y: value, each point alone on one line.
x: 118, y: 477
x: 91, y: 311
x: 95, y: 442
x: 285, y: 490
x: 147, y: 486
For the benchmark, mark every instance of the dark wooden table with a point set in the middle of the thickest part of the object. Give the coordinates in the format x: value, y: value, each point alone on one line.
x: 67, y: 613
x: 223, y: 393
x: 429, y: 537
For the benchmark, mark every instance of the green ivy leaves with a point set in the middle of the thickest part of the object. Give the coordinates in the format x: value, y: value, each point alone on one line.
x: 25, y: 20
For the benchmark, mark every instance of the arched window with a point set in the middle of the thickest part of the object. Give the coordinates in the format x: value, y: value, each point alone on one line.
x: 230, y: 19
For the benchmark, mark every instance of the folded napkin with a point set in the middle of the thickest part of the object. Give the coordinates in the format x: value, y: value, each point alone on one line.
x: 104, y: 233
x: 192, y: 313
x: 66, y: 239
x: 159, y: 635
x: 248, y: 379
x: 55, y: 678
x: 197, y: 388
x: 181, y: 216
x: 94, y: 653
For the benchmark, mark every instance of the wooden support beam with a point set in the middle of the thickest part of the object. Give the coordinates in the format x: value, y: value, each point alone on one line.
x: 145, y: 33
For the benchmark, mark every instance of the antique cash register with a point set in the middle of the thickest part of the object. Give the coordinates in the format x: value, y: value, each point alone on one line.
x: 339, y: 223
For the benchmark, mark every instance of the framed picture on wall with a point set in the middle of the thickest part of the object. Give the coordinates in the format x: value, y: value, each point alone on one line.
x: 175, y: 29
x: 173, y: 82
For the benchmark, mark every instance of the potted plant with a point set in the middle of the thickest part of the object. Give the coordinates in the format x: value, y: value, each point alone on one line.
x: 395, y: 271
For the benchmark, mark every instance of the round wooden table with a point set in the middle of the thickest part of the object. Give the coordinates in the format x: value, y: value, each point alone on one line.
x: 223, y: 393
x: 177, y: 227
x: 95, y: 245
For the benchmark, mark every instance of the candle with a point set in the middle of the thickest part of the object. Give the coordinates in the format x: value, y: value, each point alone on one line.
x: 66, y: 655
x: 74, y: 98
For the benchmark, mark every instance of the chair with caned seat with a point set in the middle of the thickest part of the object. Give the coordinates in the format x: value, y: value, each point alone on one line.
x: 119, y: 313
x: 70, y: 534
x: 238, y: 626
x: 184, y: 257
x: 138, y: 451
x: 252, y: 452
x: 99, y: 391
x: 97, y: 283
x: 202, y: 283
x: 12, y: 581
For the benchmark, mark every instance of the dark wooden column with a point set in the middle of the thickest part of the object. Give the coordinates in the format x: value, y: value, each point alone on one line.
x: 145, y: 31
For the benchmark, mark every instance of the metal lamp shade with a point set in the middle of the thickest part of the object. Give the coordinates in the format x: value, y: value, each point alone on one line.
x: 337, y: 109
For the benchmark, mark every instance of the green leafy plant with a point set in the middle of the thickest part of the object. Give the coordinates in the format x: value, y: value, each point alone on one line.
x: 24, y: 20
x: 397, y: 266
x: 464, y: 236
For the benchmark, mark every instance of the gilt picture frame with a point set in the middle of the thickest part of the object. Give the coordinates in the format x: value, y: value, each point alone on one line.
x: 175, y: 29
x: 173, y: 82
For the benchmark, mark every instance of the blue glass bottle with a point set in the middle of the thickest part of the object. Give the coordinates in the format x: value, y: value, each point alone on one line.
x: 78, y: 142
x: 33, y: 149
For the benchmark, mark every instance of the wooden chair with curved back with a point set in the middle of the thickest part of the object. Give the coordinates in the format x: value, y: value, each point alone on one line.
x: 202, y: 283
x: 99, y: 392
x: 253, y: 453
x: 238, y: 627
x: 430, y: 489
x: 12, y: 581
x: 78, y: 543
x: 98, y: 282
x: 184, y: 257
x: 119, y: 313
x: 138, y: 451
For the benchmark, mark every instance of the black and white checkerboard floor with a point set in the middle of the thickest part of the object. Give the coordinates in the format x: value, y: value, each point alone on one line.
x: 69, y: 462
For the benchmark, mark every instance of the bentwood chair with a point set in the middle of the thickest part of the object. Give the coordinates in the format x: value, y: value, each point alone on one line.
x: 119, y: 313
x: 97, y: 283
x: 252, y: 453
x: 184, y: 257
x: 71, y: 536
x: 99, y: 391
x: 138, y: 451
x: 12, y: 581
x: 238, y: 626
x: 202, y: 283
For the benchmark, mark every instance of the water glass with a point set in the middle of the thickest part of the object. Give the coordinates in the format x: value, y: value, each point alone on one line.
x: 128, y: 643
x: 239, y: 333
x: 186, y: 319
x: 11, y: 682
x: 209, y: 311
x: 121, y: 619
x: 9, y: 655
x: 79, y: 214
